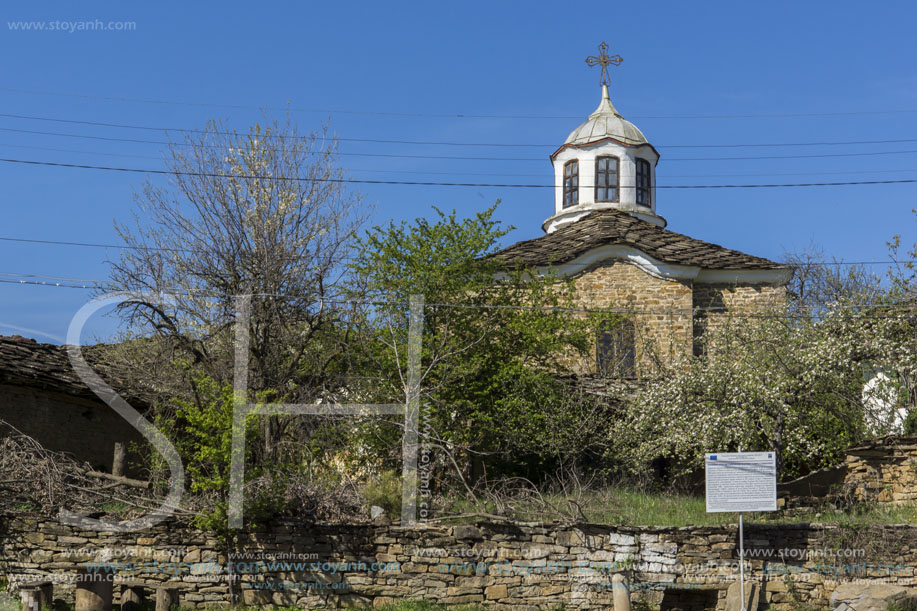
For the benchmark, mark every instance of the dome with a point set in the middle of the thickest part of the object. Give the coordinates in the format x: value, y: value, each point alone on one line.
x: 606, y: 122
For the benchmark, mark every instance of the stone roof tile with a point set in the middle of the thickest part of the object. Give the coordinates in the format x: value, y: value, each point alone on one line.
x: 25, y: 362
x: 607, y: 227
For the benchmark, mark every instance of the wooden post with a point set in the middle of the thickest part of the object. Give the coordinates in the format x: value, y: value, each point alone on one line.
x: 620, y: 592
x: 36, y: 595
x: 166, y: 597
x: 29, y: 599
x: 131, y: 597
x: 117, y: 463
x: 93, y: 591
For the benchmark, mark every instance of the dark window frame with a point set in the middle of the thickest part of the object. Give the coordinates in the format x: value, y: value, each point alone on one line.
x: 571, y: 184
x: 605, y: 172
x: 643, y: 181
x: 616, y: 349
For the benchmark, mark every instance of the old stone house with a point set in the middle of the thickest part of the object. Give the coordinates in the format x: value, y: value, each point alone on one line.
x: 41, y: 396
x: 607, y: 235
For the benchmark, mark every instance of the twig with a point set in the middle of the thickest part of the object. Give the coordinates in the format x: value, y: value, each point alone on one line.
x: 126, y: 481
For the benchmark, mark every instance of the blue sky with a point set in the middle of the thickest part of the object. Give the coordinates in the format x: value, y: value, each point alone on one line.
x: 835, y: 71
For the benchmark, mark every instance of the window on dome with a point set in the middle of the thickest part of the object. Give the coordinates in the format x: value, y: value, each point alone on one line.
x: 571, y: 183
x: 643, y: 182
x: 606, y: 179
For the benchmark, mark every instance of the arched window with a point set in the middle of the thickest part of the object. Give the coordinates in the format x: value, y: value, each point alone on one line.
x: 616, y: 350
x: 643, y: 183
x: 606, y: 179
x: 571, y: 183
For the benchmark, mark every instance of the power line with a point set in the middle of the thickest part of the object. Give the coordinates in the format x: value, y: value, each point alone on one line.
x: 129, y: 247
x: 739, y: 313
x: 368, y: 170
x: 504, y: 174
x: 448, y: 143
x: 514, y: 174
x: 55, y: 278
x: 81, y: 152
x: 453, y: 157
x: 377, y: 113
x: 437, y: 184
x: 191, y: 145
x: 90, y: 244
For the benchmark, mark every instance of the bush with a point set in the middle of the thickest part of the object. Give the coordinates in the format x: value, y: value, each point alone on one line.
x: 385, y: 491
x: 910, y: 423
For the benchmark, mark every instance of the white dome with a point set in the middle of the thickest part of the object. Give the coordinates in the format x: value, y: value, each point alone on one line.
x: 606, y: 122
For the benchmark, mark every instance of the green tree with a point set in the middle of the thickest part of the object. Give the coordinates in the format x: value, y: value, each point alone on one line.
x: 496, y: 338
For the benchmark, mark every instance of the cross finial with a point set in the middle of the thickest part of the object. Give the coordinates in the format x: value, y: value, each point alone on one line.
x: 604, y: 60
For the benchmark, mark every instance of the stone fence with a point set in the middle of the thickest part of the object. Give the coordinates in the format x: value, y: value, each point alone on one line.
x: 884, y: 470
x: 502, y: 566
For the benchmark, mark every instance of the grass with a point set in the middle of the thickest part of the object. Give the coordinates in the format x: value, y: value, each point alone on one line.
x: 422, y: 605
x: 115, y: 507
x: 404, y: 605
x: 624, y: 507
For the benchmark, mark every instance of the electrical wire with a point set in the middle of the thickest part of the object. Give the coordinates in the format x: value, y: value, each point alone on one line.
x: 447, y: 143
x: 189, y: 251
x: 738, y: 313
x: 453, y: 157
x: 437, y: 184
x: 513, y: 174
x: 377, y: 113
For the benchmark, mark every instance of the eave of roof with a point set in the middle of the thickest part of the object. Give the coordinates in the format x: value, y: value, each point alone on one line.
x: 606, y: 228
x: 25, y: 362
x: 582, y: 145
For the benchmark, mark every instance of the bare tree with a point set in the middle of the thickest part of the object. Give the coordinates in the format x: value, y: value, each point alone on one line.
x: 264, y: 213
x: 819, y: 282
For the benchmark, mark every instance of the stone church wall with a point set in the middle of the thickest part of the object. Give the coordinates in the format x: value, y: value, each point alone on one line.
x: 502, y: 566
x: 669, y: 315
x: 714, y: 303
x: 738, y: 298
x: 660, y: 309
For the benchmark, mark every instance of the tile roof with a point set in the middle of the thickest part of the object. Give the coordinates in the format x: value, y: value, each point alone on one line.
x: 606, y: 227
x: 25, y: 362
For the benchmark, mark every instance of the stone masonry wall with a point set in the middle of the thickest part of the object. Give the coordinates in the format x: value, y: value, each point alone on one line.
x: 738, y: 298
x: 82, y: 427
x: 662, y: 317
x: 884, y: 471
x: 502, y: 566
x: 713, y: 303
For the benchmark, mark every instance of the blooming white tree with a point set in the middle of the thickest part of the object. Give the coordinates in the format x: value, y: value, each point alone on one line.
x: 775, y: 381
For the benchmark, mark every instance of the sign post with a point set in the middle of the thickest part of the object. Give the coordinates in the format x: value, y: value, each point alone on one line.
x: 741, y: 481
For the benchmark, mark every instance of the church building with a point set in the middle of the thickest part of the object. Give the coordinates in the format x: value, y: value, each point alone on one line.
x: 606, y: 234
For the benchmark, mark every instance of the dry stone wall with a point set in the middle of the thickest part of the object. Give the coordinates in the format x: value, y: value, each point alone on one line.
x: 501, y: 566
x: 884, y: 471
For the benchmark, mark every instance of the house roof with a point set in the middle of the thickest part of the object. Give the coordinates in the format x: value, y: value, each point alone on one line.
x: 614, y: 227
x: 25, y: 362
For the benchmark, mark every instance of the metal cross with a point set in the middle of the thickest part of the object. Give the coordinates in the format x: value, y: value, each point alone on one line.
x: 604, y: 60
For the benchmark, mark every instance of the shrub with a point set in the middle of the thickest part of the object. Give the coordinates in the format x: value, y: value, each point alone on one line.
x: 910, y: 423
x: 385, y: 491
